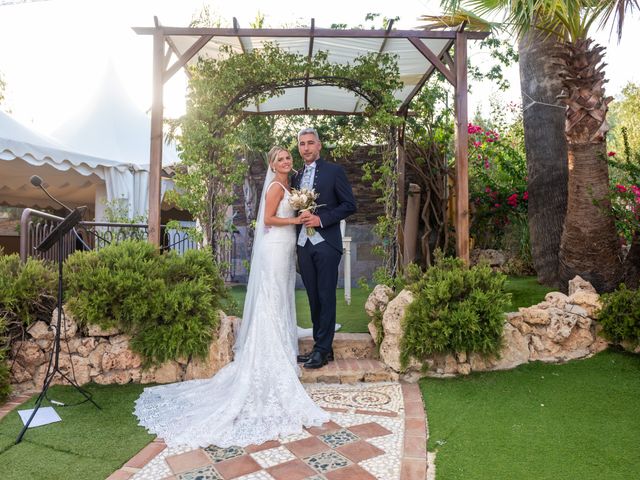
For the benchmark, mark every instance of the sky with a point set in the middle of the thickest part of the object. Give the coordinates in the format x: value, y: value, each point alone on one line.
x: 54, y: 53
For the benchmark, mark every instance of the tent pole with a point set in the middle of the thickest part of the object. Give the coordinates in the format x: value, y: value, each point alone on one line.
x: 156, y: 136
x: 462, y: 149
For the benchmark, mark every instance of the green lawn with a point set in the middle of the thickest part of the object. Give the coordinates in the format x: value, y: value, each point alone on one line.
x: 579, y: 420
x: 352, y: 317
x: 87, y: 444
x: 525, y: 292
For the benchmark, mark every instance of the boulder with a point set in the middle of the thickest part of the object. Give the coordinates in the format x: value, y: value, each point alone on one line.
x: 392, y: 320
x: 588, y: 301
x: 40, y: 331
x: 515, y: 349
x: 579, y: 283
x: 220, y: 351
x: 378, y: 299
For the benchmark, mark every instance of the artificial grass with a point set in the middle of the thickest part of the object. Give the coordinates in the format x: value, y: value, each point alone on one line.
x: 578, y: 420
x: 87, y: 444
x: 352, y: 317
x: 525, y: 291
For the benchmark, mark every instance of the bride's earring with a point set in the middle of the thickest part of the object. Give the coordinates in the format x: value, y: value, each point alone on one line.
x: 273, y: 170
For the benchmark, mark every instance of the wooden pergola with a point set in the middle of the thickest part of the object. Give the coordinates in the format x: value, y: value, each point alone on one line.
x: 420, y: 54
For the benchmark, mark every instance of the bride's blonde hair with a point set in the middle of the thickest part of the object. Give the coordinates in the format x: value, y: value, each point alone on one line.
x: 273, y: 154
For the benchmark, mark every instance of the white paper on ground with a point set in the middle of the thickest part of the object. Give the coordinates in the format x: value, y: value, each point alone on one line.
x: 44, y: 416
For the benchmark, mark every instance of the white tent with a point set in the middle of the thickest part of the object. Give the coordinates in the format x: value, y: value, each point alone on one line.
x: 70, y: 176
x: 111, y: 127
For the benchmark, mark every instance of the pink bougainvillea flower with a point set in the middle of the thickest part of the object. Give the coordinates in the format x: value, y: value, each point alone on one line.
x: 621, y: 188
x: 486, y: 165
x: 487, y: 189
x: 525, y: 196
x: 477, y: 144
x: 513, y: 200
x: 635, y: 189
x: 611, y: 154
x: 497, y: 205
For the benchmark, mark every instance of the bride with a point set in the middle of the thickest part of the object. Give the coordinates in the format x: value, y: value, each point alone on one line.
x: 257, y: 397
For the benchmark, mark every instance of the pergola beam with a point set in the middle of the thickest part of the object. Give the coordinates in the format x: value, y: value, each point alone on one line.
x: 309, y: 57
x: 304, y: 32
x: 462, y: 149
x: 186, y: 56
x: 433, y: 58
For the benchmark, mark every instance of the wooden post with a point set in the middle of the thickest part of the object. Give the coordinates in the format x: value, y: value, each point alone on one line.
x: 462, y: 149
x: 156, y: 137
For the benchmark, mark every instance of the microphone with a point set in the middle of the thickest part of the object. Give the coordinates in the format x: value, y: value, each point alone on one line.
x: 37, y: 181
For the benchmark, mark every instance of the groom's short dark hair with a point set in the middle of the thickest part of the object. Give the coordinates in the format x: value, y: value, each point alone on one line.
x: 307, y: 131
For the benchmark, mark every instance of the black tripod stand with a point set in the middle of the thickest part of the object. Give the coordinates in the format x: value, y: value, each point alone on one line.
x: 56, y: 237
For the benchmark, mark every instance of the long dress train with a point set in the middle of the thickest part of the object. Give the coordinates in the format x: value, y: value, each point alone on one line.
x: 257, y: 397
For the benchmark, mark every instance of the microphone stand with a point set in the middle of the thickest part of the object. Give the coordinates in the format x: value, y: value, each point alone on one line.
x: 56, y: 236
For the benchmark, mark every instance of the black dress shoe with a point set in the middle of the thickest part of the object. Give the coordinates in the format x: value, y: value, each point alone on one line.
x: 317, y: 360
x: 304, y: 358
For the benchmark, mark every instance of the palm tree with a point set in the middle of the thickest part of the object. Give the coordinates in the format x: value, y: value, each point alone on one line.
x: 588, y: 245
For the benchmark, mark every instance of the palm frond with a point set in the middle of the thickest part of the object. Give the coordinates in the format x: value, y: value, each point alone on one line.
x: 457, y: 18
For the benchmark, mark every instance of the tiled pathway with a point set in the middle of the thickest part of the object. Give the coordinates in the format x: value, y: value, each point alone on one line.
x: 377, y: 431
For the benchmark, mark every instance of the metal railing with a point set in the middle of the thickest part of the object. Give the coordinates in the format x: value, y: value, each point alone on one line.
x: 36, y: 225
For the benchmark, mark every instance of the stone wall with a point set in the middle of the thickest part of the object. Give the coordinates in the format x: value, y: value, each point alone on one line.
x: 558, y: 329
x: 104, y: 356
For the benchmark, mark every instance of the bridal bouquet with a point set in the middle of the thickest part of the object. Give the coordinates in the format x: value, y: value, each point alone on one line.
x: 304, y: 200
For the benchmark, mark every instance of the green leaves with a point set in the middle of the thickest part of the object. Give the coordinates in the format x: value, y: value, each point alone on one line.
x: 168, y: 303
x: 456, y: 309
x: 620, y: 315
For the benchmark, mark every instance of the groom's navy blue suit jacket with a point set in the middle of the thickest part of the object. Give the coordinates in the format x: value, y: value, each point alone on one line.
x: 335, y: 196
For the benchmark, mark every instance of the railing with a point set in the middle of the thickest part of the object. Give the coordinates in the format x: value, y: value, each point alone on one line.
x: 36, y: 225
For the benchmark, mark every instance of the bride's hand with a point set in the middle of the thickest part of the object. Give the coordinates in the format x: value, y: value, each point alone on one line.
x: 296, y: 220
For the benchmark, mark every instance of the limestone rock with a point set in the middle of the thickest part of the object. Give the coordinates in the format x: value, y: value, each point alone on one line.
x: 515, y: 349
x: 373, y: 330
x: 28, y: 354
x: 220, y: 352
x: 19, y: 374
x: 120, y: 377
x: 40, y: 331
x: 589, y: 301
x: 557, y: 299
x: 464, y: 369
x: 579, y: 283
x: 535, y: 316
x: 120, y: 358
x: 86, y: 346
x: 168, y: 372
x: 378, y: 299
x: 392, y: 324
x: 98, y: 331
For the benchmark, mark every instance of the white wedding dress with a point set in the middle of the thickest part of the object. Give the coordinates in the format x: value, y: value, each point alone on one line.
x: 257, y: 397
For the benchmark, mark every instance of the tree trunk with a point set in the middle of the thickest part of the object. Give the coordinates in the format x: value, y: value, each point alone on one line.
x: 546, y: 148
x: 589, y: 245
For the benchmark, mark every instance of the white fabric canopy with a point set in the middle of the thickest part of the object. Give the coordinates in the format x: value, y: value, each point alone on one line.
x: 69, y: 175
x: 411, y: 62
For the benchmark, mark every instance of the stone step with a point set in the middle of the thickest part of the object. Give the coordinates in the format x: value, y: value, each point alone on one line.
x: 346, y: 345
x: 350, y: 371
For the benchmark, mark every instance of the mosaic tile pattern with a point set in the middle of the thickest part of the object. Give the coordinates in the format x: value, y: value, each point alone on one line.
x: 217, y: 454
x: 273, y: 456
x: 378, y: 397
x: 375, y: 411
x: 339, y: 438
x: 326, y: 461
x: 202, y: 473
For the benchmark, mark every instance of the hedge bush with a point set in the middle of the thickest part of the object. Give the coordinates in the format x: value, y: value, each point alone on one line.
x: 168, y: 303
x: 620, y: 315
x: 456, y: 309
x: 27, y: 293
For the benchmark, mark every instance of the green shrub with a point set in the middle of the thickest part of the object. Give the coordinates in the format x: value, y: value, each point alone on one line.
x: 620, y: 315
x: 456, y: 309
x: 27, y: 293
x: 168, y: 303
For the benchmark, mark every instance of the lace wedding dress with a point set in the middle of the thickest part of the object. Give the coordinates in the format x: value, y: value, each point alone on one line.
x: 258, y: 396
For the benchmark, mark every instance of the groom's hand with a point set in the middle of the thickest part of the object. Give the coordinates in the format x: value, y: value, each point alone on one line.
x: 311, y: 221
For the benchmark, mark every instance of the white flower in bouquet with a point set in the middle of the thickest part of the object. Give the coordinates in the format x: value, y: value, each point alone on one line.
x: 304, y: 200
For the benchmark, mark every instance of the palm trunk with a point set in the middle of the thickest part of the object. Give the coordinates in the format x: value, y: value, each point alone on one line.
x: 546, y: 148
x: 589, y: 245
x: 631, y: 274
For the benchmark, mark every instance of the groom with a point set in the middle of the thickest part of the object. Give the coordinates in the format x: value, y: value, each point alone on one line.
x: 319, y: 254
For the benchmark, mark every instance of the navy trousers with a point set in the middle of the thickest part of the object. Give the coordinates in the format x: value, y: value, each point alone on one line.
x: 319, y: 272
